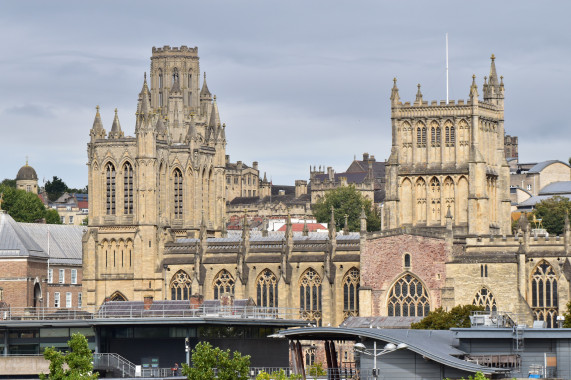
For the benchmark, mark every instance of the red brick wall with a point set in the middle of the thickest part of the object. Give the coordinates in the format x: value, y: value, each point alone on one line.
x: 66, y: 287
x: 17, y: 279
x: 382, y: 263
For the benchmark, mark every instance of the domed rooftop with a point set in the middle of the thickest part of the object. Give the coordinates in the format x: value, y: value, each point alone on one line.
x: 26, y: 172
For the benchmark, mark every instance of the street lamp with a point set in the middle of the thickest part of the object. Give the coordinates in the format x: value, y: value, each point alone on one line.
x: 389, y: 347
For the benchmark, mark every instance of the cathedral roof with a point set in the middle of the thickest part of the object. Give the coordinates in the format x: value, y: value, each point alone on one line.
x: 26, y: 172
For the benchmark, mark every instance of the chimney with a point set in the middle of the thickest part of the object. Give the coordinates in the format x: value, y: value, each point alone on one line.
x: 255, y: 165
x: 227, y: 159
x: 196, y: 301
x: 372, y: 158
x: 239, y: 164
x: 148, y: 302
x: 330, y: 173
x: 365, y: 156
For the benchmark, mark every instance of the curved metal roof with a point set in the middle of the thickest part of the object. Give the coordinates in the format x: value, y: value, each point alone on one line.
x: 537, y: 168
x: 561, y: 187
x: 433, y: 344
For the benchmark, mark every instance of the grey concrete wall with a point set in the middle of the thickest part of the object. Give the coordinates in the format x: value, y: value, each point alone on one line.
x: 23, y: 365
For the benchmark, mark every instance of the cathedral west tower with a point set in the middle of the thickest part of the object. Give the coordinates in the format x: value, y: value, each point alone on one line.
x: 447, y: 159
x: 164, y: 183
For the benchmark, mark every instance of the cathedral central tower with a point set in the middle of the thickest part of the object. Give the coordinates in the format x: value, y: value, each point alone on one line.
x: 447, y: 159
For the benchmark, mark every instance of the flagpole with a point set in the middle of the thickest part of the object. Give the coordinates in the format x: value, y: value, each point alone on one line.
x: 446, y: 68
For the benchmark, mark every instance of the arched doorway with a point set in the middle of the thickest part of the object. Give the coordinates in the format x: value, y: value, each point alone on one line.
x: 37, y: 295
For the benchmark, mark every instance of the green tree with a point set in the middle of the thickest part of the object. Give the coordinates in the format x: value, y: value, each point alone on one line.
x: 205, y: 359
x: 552, y: 213
x: 477, y: 376
x: 52, y: 216
x: 26, y: 207
x: 439, y: 319
x: 346, y: 200
x: 55, y: 188
x: 567, y: 315
x: 78, y: 359
x: 9, y: 183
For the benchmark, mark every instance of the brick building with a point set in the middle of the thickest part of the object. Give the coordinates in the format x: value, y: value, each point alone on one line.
x: 41, y: 264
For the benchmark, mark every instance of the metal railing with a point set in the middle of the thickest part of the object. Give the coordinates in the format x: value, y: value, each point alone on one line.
x: 113, y: 363
x: 128, y: 310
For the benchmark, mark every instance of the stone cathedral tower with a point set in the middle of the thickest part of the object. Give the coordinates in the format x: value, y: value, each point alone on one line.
x: 167, y: 182
x: 448, y: 160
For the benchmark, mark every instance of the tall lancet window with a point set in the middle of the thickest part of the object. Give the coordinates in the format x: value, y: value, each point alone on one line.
x: 267, y: 289
x: 110, y: 188
x: 178, y: 194
x: 128, y: 188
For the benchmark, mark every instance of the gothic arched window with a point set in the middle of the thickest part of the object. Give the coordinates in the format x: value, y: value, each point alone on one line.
x: 408, y: 298
x: 178, y: 196
x: 267, y: 289
x: 175, y: 76
x: 310, y: 357
x: 160, y: 78
x: 180, y: 286
x: 438, y: 137
x: 544, y: 301
x: 117, y: 296
x: 351, y: 293
x: 424, y: 136
x: 310, y: 296
x: 110, y: 188
x: 223, y: 284
x: 452, y: 135
x: 128, y: 188
x: 485, y: 298
x: 433, y: 136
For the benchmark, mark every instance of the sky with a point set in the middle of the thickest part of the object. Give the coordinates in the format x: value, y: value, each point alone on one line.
x: 298, y: 83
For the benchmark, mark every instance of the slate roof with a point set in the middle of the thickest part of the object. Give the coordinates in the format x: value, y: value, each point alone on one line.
x: 531, y: 202
x: 354, y: 177
x: 382, y: 322
x: 15, y: 241
x: 378, y: 168
x: 537, y: 168
x: 64, y: 241
x: 561, y: 187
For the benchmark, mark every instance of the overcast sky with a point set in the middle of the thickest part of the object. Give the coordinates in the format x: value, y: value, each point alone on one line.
x: 298, y: 83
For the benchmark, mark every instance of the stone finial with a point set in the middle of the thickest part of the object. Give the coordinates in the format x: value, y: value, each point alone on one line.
x: 305, y: 231
x: 493, y: 57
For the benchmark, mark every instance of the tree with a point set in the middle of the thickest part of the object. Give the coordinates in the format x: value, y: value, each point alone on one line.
x: 26, y: 207
x: 552, y: 212
x: 346, y: 200
x: 567, y: 315
x: 9, y: 183
x: 439, y: 319
x: 55, y: 188
x: 205, y: 359
x: 78, y: 359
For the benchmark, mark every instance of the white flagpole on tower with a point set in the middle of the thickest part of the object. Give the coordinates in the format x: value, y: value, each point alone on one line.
x: 446, y: 68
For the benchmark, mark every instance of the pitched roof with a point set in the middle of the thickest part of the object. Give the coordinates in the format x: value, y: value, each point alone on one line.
x: 15, y: 241
x: 64, y: 241
x: 298, y: 227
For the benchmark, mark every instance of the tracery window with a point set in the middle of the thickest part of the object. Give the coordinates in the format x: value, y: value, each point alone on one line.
x: 435, y: 136
x: 160, y: 78
x: 485, y: 298
x: 544, y: 302
x: 128, y: 188
x: 310, y: 296
x: 310, y: 356
x: 267, y: 289
x: 110, y: 188
x: 178, y: 196
x: 408, y: 298
x: 223, y: 284
x: 117, y: 296
x: 351, y: 293
x: 452, y: 135
x: 180, y: 286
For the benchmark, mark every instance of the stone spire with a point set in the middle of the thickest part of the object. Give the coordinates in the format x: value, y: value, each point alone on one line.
x: 363, y: 220
x: 144, y: 107
x: 395, y: 93
x: 97, y: 131
x: 418, y: 99
x: 214, y: 116
x: 116, y: 131
x: 192, y: 132
x: 305, y: 231
x: 332, y: 228
x: 205, y: 92
x: 493, y: 73
x: 474, y: 89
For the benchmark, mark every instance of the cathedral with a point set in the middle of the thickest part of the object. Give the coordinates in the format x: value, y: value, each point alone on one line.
x: 157, y: 216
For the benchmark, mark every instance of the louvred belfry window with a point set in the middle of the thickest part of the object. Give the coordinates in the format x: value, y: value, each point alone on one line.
x: 128, y: 189
x: 178, y: 196
x: 110, y: 188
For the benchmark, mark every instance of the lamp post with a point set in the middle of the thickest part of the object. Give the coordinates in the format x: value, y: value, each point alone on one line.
x: 389, y: 347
